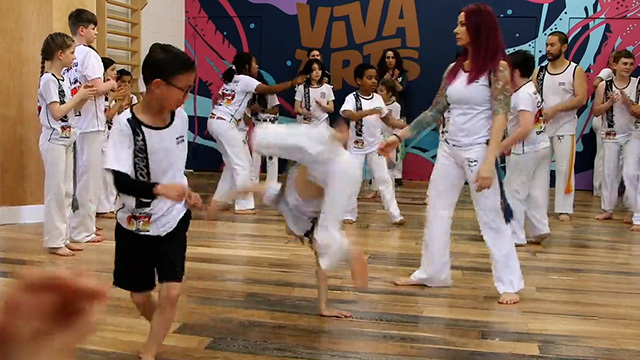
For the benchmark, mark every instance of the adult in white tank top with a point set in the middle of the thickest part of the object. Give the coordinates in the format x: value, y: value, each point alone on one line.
x: 563, y: 86
x: 631, y: 170
x: 479, y: 99
x: 617, y: 125
x: 596, y: 125
x: 239, y: 86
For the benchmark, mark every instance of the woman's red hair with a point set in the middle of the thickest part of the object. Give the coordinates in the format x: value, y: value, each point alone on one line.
x: 485, y: 40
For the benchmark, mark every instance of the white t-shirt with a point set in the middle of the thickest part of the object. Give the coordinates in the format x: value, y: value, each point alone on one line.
x: 623, y: 121
x: 470, y: 108
x: 324, y: 93
x: 234, y: 96
x: 62, y: 131
x: 528, y: 99
x: 606, y: 74
x: 365, y: 134
x: 86, y: 67
x: 558, y: 88
x: 272, y: 100
x: 395, y: 109
x: 167, y: 151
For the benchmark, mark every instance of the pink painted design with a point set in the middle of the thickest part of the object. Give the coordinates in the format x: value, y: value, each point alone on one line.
x: 287, y: 6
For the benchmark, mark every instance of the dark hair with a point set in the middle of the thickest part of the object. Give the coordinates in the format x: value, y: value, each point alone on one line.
x: 312, y: 50
x: 81, y: 18
x: 623, y: 54
x: 562, y: 37
x: 107, y: 63
x: 53, y: 43
x: 524, y: 62
x: 166, y: 62
x: 486, y: 39
x: 241, y: 65
x: 389, y: 85
x: 308, y: 69
x: 382, y: 63
x: 123, y: 72
x: 358, y: 72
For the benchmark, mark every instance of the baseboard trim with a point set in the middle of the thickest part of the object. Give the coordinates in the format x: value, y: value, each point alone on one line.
x: 21, y: 214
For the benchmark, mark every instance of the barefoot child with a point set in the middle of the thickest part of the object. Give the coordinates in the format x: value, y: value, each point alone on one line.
x: 57, y: 116
x: 147, y: 153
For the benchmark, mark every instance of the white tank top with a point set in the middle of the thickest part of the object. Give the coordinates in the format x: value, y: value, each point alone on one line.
x: 623, y: 121
x: 470, y: 111
x: 556, y: 89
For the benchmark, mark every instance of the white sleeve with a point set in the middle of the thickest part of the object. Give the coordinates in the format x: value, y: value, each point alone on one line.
x: 380, y: 103
x: 525, y: 101
x: 119, y: 154
x: 329, y: 91
x: 349, y: 104
x: 396, y: 110
x: 248, y: 84
x: 92, y: 66
x: 606, y: 74
x: 49, y: 90
x: 299, y: 93
x: 272, y: 100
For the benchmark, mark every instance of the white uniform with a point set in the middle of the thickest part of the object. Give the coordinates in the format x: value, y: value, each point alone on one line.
x: 556, y: 89
x: 631, y: 168
x: 460, y: 155
x: 617, y: 125
x: 309, y: 97
x: 331, y: 167
x: 91, y: 124
x: 527, y: 180
x: 395, y: 165
x: 598, y: 162
x: 364, y: 138
x: 223, y: 126
x: 263, y: 119
x: 56, y: 148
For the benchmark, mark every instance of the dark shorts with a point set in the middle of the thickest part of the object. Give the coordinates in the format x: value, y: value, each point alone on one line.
x: 140, y: 257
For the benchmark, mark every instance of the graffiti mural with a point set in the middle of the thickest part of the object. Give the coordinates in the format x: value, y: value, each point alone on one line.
x: 348, y: 32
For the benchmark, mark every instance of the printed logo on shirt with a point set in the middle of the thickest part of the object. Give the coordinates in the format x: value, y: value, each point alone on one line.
x: 226, y: 96
x: 323, y: 95
x: 179, y: 139
x: 562, y: 83
x: 539, y: 122
x: 472, y: 163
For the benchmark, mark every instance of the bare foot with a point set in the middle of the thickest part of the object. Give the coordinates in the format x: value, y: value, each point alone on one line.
x: 538, y: 239
x: 61, y: 251
x: 359, y: 269
x: 408, y: 282
x: 635, y: 228
x: 245, y: 212
x: 335, y: 313
x: 400, y: 222
x: 146, y: 357
x: 99, y: 231
x: 348, y: 221
x: 605, y: 216
x: 96, y: 239
x: 628, y: 219
x: 509, y: 299
x: 74, y: 247
x: 371, y: 195
x: 564, y: 217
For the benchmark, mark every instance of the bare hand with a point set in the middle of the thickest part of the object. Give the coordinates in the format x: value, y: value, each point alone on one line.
x: 374, y: 111
x: 112, y: 84
x: 549, y: 113
x: 386, y: 147
x: 506, y: 149
x: 625, y: 99
x: 173, y: 192
x: 613, y: 98
x: 396, y: 73
x: 193, y: 200
x: 321, y: 102
x: 388, y: 75
x: 300, y: 79
x: 484, y: 178
x: 86, y: 92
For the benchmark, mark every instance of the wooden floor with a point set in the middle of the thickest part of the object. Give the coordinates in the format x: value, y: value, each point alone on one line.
x: 251, y: 295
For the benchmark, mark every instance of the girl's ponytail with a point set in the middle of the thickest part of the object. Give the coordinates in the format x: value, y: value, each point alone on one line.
x: 42, y: 67
x: 229, y: 74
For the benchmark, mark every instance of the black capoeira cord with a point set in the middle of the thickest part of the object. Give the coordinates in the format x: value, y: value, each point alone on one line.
x: 507, y: 211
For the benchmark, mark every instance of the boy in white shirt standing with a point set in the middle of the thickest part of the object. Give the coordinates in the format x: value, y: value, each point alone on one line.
x: 87, y: 68
x: 527, y: 180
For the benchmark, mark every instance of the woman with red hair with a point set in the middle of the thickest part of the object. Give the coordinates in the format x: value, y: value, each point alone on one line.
x: 476, y: 89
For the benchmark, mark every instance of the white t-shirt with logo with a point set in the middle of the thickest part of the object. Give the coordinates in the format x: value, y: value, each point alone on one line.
x: 528, y: 99
x: 167, y: 153
x: 365, y: 134
x: 324, y: 93
x: 234, y: 96
x: 395, y: 110
x: 87, y: 67
x: 62, y: 131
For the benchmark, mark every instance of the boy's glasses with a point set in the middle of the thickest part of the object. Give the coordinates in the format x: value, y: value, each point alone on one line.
x: 185, y: 91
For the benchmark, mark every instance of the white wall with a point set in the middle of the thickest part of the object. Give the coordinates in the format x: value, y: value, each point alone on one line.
x: 163, y: 21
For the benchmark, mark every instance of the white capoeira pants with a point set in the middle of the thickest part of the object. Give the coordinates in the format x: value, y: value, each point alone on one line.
x: 563, y: 148
x: 330, y: 166
x: 612, y: 153
x: 89, y: 173
x: 58, y: 191
x: 631, y: 174
x: 454, y: 166
x: 383, y: 183
x: 272, y: 162
x: 107, y: 201
x: 238, y: 168
x: 598, y: 167
x: 527, y: 188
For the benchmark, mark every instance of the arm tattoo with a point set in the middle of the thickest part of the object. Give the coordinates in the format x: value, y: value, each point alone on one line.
x: 501, y: 91
x: 434, y: 112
